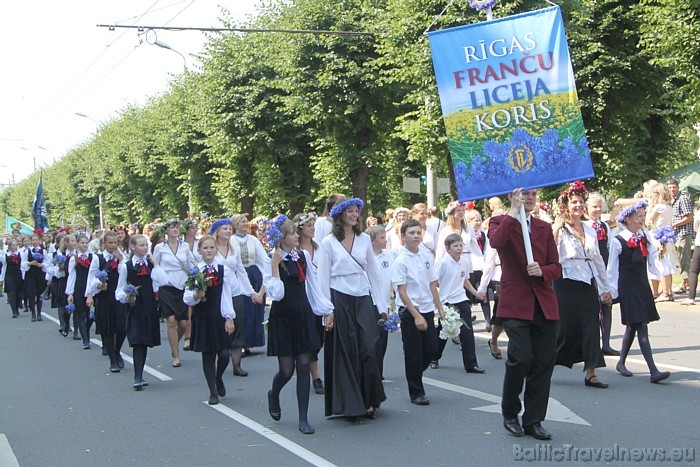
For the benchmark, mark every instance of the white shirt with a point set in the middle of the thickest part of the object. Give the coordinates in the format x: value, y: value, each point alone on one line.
x: 492, y: 270
x: 323, y: 228
x: 477, y: 256
x: 614, y: 259
x: 434, y: 225
x: 3, y: 261
x: 94, y: 266
x: 256, y: 254
x: 416, y: 272
x: 338, y: 270
x: 427, y: 244
x: 590, y: 222
x: 467, y: 238
x: 158, y: 278
x: 227, y: 310
x: 393, y: 241
x: 274, y: 287
x: 385, y: 260
x: 175, y: 265
x: 234, y: 263
x: 451, y: 275
x: 582, y: 262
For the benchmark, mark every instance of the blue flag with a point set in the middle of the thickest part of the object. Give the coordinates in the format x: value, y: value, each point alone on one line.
x: 510, y: 105
x: 41, y: 222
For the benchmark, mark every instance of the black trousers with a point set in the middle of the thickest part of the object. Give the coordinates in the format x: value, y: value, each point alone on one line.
x: 418, y: 349
x: 466, y: 337
x: 532, y: 352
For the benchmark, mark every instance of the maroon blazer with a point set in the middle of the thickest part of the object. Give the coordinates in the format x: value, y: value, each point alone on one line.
x: 518, y: 289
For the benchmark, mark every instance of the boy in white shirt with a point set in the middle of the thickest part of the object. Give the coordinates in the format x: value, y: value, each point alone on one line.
x: 385, y: 260
x: 453, y: 275
x: 415, y: 280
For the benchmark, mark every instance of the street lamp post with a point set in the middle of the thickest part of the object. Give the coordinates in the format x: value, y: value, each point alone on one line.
x: 53, y: 156
x: 33, y: 155
x: 80, y: 114
x: 163, y: 45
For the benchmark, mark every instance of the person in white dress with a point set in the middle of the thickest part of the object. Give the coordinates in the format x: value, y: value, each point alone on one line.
x: 660, y: 214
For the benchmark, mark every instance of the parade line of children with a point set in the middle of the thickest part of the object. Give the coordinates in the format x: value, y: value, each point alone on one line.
x: 330, y: 286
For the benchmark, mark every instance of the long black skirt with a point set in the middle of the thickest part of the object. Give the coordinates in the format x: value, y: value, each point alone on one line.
x: 578, y: 330
x: 352, y: 351
x: 254, y: 312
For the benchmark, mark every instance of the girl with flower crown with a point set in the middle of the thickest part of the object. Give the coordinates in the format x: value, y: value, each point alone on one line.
x: 347, y: 271
x: 229, y: 255
x: 175, y: 258
x: 456, y: 223
x: 81, y: 273
x: 212, y: 317
x: 189, y: 236
x: 139, y: 278
x: 584, y: 280
x: 393, y: 236
x: 12, y: 275
x: 305, y: 224
x: 631, y: 254
x: 34, y: 275
x: 110, y: 314
x: 254, y: 259
x: 292, y: 333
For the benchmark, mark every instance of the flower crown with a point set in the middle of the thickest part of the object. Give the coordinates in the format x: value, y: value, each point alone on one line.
x: 189, y: 223
x: 309, y: 216
x: 219, y: 223
x: 575, y: 188
x: 452, y: 206
x: 481, y: 4
x: 343, y: 205
x: 629, y: 210
x: 399, y: 210
x: 273, y: 233
x: 170, y: 222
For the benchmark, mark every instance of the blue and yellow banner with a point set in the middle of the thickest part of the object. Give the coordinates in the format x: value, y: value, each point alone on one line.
x: 510, y: 105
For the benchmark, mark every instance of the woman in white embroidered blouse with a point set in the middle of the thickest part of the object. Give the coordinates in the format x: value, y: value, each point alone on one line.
x: 583, y: 280
x: 347, y: 271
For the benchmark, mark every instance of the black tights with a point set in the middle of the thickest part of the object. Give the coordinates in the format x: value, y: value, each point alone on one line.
x: 35, y: 303
x: 113, y: 344
x: 287, y: 365
x: 693, y: 274
x: 139, y: 352
x: 642, y: 332
x: 605, y: 316
x: 213, y: 369
x: 14, y: 299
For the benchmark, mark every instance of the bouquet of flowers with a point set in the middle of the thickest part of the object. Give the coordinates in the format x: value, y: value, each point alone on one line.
x: 132, y: 291
x: 60, y: 261
x: 451, y: 324
x: 389, y: 321
x: 102, y: 276
x: 665, y: 235
x: 70, y: 308
x: 196, y: 281
x: 39, y: 257
x: 92, y: 313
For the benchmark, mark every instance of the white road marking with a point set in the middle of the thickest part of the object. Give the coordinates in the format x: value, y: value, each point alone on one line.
x: 150, y: 370
x: 7, y: 456
x: 276, y: 438
x: 615, y: 359
x: 556, y: 411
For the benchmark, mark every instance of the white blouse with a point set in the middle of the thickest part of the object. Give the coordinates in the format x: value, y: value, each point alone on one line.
x: 252, y: 252
x: 492, y: 270
x: 3, y: 261
x: 582, y: 262
x: 94, y: 266
x: 320, y: 304
x: 158, y: 277
x: 323, y: 228
x: 614, y: 260
x: 352, y: 272
x: 227, y: 310
x: 175, y: 265
x: 234, y: 263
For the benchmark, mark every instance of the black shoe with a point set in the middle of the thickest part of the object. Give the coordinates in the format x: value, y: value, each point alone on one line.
x: 657, y: 378
x: 138, y: 386
x: 623, y: 370
x: 536, y: 431
x: 14, y: 316
x: 434, y: 364
x: 114, y: 368
x: 120, y: 361
x: 477, y: 369
x: 39, y: 318
x: 240, y: 372
x: 145, y: 384
x: 86, y: 346
x: 64, y: 333
x: 496, y: 355
x: 613, y: 352
x: 77, y: 338
x: 220, y: 388
x: 597, y: 384
x: 33, y: 317
x: 213, y: 399
x: 305, y: 428
x: 104, y: 351
x: 512, y: 426
x: 275, y: 415
x: 420, y: 400
x: 186, y: 346
x: 318, y: 386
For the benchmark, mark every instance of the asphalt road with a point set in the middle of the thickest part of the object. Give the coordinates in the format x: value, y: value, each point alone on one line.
x: 60, y: 406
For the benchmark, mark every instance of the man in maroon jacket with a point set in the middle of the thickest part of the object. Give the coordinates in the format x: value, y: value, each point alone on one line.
x: 528, y: 307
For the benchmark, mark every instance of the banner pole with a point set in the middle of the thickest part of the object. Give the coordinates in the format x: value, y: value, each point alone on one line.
x: 489, y: 14
x: 526, y: 238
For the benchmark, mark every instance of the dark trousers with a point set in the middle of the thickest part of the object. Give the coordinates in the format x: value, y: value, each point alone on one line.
x: 418, y: 349
x: 693, y: 274
x: 466, y: 337
x: 532, y: 352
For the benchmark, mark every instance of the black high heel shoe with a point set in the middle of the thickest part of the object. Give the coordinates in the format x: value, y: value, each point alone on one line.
x: 276, y: 416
